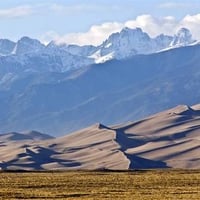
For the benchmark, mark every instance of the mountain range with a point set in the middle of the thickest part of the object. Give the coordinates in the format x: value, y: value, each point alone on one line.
x: 169, y: 139
x: 58, y: 89
x: 30, y: 55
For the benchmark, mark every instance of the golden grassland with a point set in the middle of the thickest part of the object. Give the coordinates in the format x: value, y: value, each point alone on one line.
x: 150, y: 185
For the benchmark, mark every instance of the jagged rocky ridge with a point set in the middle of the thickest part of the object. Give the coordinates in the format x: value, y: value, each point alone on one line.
x: 30, y: 55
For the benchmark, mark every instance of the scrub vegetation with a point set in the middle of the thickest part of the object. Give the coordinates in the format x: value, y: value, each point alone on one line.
x: 143, y: 185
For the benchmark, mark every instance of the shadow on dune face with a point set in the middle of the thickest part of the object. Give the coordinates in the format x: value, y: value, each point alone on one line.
x: 189, y: 112
x: 181, y: 125
x: 186, y: 115
x: 126, y: 142
x: 35, y: 160
x: 136, y: 162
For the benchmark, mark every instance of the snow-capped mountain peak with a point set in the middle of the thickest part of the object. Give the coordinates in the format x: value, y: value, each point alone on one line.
x: 133, y: 36
x: 129, y: 42
x: 136, y: 32
x: 124, y: 44
x: 183, y: 37
x: 6, y: 46
x: 31, y: 55
x: 28, y: 45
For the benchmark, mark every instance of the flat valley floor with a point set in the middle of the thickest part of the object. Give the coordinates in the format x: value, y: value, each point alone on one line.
x: 150, y: 185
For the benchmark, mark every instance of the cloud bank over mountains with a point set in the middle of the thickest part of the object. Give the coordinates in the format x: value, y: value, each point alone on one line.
x: 152, y: 25
x: 15, y: 12
x: 102, y: 28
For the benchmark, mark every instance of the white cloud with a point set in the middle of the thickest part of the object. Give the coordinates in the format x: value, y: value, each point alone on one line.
x: 167, y: 25
x: 95, y: 35
x: 152, y: 25
x: 78, y: 8
x: 169, y: 5
x: 192, y: 22
x: 14, y: 12
x: 59, y: 8
x: 49, y: 36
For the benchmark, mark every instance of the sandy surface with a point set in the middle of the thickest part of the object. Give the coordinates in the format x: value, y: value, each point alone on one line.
x: 167, y: 139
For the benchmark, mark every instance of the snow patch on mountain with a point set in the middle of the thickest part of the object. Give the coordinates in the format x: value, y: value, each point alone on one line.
x: 30, y: 55
x: 98, y: 58
x: 130, y: 42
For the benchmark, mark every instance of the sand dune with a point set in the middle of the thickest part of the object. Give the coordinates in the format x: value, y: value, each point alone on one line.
x: 167, y: 139
x: 171, y: 137
x: 29, y: 135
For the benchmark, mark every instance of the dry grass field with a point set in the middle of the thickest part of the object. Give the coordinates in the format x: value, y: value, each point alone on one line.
x: 143, y: 185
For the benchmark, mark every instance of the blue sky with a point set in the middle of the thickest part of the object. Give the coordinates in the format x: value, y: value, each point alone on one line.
x: 75, y: 20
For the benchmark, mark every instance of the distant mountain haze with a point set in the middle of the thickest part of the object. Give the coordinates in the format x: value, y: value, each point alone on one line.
x: 58, y: 89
